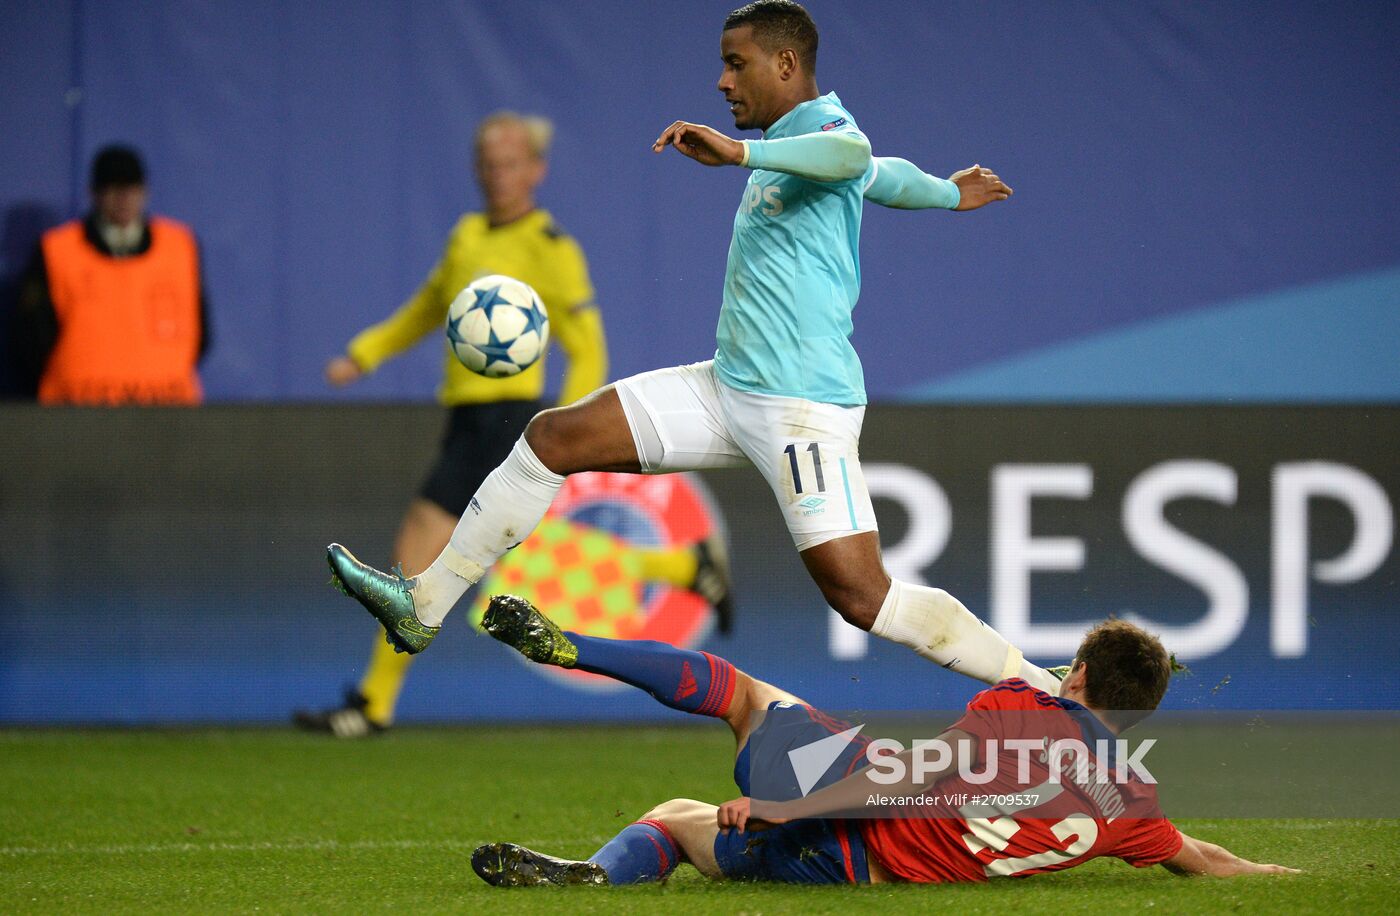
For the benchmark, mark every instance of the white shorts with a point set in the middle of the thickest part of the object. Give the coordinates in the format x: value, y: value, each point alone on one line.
x: 684, y: 419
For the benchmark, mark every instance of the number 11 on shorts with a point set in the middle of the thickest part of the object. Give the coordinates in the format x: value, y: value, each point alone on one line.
x: 815, y: 449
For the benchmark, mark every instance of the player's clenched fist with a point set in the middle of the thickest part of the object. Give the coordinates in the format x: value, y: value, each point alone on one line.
x: 733, y: 815
x: 738, y: 815
x: 705, y: 145
x: 979, y: 187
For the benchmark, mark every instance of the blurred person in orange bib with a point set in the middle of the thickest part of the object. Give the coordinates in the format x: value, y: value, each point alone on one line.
x: 112, y: 310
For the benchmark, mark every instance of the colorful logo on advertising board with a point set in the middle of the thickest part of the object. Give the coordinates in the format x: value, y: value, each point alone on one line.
x: 587, y: 565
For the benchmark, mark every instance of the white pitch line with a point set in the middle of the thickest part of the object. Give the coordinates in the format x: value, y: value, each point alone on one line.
x: 260, y: 846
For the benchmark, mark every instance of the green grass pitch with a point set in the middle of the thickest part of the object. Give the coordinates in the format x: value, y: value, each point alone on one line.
x: 270, y: 820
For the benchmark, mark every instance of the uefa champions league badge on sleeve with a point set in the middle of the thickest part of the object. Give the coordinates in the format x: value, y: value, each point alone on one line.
x: 581, y: 566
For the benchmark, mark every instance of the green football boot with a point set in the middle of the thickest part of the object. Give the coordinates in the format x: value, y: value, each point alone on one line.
x: 385, y: 595
x: 509, y: 865
x: 515, y: 622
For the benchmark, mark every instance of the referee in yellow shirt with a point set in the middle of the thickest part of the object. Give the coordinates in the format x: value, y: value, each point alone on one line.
x: 515, y: 238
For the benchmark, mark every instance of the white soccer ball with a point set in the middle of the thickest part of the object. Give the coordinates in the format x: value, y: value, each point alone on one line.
x: 497, y: 326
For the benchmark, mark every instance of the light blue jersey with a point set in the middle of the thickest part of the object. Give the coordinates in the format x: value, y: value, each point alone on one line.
x: 793, y: 274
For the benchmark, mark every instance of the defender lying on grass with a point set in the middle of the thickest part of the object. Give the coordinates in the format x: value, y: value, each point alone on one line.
x: 1049, y: 813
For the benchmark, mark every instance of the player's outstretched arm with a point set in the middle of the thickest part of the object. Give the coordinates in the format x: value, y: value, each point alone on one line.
x: 1198, y: 858
x: 413, y: 321
x: 901, y: 775
x: 978, y: 187
x: 705, y: 145
x: 902, y: 185
x: 825, y: 157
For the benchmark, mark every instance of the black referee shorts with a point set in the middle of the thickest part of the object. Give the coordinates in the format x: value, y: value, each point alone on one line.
x: 477, y: 439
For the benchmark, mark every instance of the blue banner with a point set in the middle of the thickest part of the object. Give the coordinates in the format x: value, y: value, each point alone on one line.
x: 1204, y: 208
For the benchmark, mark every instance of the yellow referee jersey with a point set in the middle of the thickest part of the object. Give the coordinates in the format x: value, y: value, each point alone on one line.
x: 532, y: 249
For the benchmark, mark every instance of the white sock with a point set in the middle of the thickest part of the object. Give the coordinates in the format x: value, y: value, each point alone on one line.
x: 937, y: 626
x: 507, y: 507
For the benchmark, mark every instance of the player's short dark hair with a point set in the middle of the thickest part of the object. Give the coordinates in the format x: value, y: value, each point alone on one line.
x: 1128, y: 671
x: 779, y: 24
x: 117, y: 166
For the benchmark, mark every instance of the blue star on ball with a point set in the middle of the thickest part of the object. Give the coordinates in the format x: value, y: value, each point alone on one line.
x: 454, y: 333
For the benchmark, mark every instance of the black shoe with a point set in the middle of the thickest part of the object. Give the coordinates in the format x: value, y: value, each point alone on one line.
x: 509, y: 865
x: 347, y: 721
x: 712, y: 580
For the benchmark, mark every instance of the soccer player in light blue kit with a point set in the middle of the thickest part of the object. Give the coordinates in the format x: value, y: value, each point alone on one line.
x: 784, y: 392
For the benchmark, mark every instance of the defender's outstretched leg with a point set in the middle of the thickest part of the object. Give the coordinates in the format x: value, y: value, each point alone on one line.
x: 649, y: 849
x: 684, y: 679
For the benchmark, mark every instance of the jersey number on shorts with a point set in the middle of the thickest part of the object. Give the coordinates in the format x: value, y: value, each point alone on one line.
x: 815, y: 449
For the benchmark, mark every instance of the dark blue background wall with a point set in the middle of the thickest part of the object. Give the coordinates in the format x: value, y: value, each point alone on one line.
x: 1205, y: 203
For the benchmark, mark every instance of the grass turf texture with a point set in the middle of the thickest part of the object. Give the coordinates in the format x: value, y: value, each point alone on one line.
x: 209, y: 820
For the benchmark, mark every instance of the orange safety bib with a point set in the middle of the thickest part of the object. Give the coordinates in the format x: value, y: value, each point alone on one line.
x: 129, y: 328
